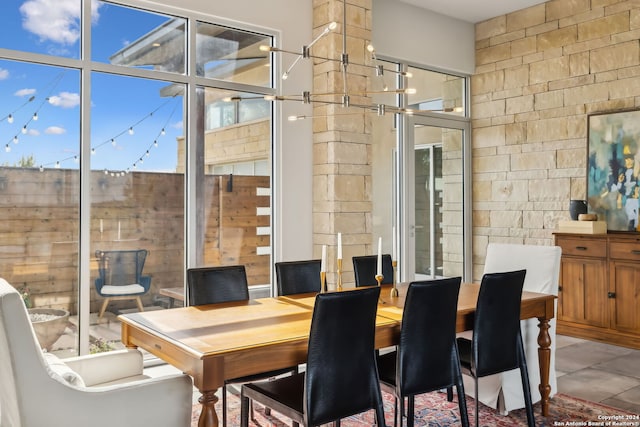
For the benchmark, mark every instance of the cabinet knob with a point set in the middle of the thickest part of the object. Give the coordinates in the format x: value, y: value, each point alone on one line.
x: 559, y: 288
x: 611, y: 294
x: 581, y: 248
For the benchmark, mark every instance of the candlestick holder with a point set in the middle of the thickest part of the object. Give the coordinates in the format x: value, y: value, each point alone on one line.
x: 339, y: 283
x: 394, y: 289
x: 323, y: 282
x: 379, y: 278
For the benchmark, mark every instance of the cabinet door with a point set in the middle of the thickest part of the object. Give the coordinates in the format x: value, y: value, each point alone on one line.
x: 583, y: 298
x: 625, y: 280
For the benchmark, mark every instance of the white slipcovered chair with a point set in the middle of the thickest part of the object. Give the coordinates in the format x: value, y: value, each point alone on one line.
x: 504, y: 391
x: 106, y: 389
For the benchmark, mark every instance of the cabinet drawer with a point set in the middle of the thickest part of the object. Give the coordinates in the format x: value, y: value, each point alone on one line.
x: 582, y: 247
x: 625, y: 250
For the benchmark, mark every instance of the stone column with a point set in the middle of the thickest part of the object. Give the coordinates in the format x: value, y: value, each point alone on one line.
x: 342, y: 142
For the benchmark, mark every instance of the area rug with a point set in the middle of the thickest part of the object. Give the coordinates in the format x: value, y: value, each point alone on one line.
x: 433, y: 410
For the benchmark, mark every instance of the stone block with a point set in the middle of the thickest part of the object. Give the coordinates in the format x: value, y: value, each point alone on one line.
x: 491, y: 27
x: 574, y: 158
x: 519, y: 104
x: 348, y: 153
x: 493, y: 54
x: 510, y: 191
x: 509, y: 63
x: 487, y: 82
x: 634, y: 18
x: 557, y: 9
x: 488, y: 109
x: 586, y: 94
x: 549, y: 190
x: 620, y: 88
x: 579, y: 64
x: 481, y: 191
x: 613, y: 57
x: 546, y: 130
x: 542, y: 28
x: 557, y: 38
x: 491, y: 164
x: 489, y: 137
x: 515, y: 133
x: 547, y: 100
x: 524, y: 18
x: 525, y: 46
x: 503, y: 120
x: 602, y: 27
x: 516, y: 77
x: 346, y: 188
x: 548, y: 70
x: 625, y: 37
x: 509, y: 219
x: 534, y: 160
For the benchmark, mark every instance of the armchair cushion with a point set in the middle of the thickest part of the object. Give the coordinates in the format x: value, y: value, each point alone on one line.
x: 61, y: 372
x: 114, y: 367
x: 123, y: 290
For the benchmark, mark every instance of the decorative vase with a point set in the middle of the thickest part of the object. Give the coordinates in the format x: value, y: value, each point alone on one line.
x: 577, y: 207
x: 49, y: 324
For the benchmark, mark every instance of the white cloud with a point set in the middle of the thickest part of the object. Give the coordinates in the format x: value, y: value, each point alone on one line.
x: 65, y: 100
x: 4, y: 74
x: 33, y: 132
x: 25, y: 92
x: 178, y: 125
x: 55, y: 130
x: 55, y: 20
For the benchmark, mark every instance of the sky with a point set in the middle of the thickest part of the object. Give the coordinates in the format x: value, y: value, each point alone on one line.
x: 40, y: 108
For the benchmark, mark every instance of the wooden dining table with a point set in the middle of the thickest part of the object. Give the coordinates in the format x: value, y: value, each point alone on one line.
x: 217, y: 342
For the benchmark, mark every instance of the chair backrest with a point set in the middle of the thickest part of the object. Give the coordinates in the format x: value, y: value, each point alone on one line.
x: 120, y: 268
x: 428, y: 337
x: 209, y: 285
x: 365, y: 267
x: 496, y: 329
x: 541, y: 262
x: 298, y: 277
x: 22, y: 368
x: 341, y: 375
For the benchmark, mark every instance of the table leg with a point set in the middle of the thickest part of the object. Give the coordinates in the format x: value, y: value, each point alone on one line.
x: 208, y: 416
x: 544, y: 360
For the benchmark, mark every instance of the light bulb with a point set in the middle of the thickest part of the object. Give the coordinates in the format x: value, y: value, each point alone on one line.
x: 93, y: 151
x: 24, y: 129
x: 141, y: 160
x: 113, y: 142
x: 162, y: 132
x: 226, y: 99
x: 10, y: 118
x: 106, y: 172
x: 41, y: 168
x: 57, y: 165
x: 285, y: 76
x: 15, y: 139
x: 35, y: 116
x: 269, y: 97
x: 264, y: 48
x: 155, y: 143
x: 147, y: 153
x: 130, y: 131
x: 76, y: 159
x: 7, y: 148
x: 333, y: 25
x: 370, y: 47
x: 410, y: 91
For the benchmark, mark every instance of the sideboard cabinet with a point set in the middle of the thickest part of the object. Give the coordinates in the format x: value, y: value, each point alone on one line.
x: 599, y: 293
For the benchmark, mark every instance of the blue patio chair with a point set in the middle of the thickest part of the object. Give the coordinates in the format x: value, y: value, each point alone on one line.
x: 120, y: 276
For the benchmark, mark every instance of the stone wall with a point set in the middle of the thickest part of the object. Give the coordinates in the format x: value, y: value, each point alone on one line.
x: 539, y: 73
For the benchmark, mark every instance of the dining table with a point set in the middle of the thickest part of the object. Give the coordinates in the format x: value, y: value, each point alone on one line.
x: 217, y: 342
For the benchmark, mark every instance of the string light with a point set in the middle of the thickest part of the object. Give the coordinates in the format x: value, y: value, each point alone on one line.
x: 15, y: 139
x: 7, y: 148
x: 10, y: 118
x: 24, y: 129
x: 35, y: 116
x: 131, y: 131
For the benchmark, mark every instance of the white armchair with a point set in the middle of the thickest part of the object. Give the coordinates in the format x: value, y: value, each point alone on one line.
x: 106, y: 389
x: 543, y: 270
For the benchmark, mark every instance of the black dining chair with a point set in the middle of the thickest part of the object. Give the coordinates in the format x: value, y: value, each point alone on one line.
x: 496, y: 344
x: 365, y: 268
x: 211, y: 285
x: 427, y: 356
x: 298, y: 277
x: 341, y: 378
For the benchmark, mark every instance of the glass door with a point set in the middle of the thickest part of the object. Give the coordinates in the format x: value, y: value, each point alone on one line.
x: 434, y: 199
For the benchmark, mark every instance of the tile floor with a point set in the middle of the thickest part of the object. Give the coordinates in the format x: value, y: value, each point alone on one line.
x: 599, y: 372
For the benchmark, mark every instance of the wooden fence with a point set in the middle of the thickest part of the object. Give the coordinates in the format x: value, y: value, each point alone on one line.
x: 40, y: 228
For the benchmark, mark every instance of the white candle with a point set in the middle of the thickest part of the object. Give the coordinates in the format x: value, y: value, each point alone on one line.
x: 339, y: 245
x: 379, y: 271
x: 323, y: 262
x: 394, y: 249
x: 118, y: 230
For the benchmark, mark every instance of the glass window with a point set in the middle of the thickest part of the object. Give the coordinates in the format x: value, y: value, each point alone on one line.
x: 437, y: 92
x: 232, y: 55
x: 136, y: 38
x: 41, y: 26
x: 39, y: 195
